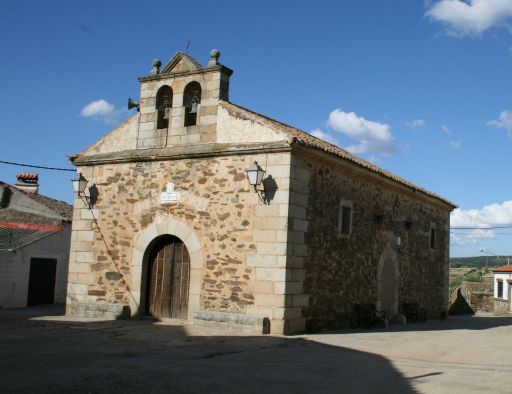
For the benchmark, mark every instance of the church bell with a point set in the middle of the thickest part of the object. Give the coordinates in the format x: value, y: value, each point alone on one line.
x: 194, y: 104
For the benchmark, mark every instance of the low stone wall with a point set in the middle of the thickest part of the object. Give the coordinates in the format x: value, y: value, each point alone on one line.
x: 501, y: 307
x: 232, y: 322
x: 482, y: 301
x: 470, y: 297
x: 100, y: 310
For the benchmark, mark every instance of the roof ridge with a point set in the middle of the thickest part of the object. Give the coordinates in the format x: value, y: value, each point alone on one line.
x: 309, y: 140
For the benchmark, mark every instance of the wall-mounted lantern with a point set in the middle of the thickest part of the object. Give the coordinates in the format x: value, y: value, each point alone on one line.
x: 255, y: 176
x: 79, y: 184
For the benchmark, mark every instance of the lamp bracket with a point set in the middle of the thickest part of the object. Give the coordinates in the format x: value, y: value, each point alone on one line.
x: 262, y: 195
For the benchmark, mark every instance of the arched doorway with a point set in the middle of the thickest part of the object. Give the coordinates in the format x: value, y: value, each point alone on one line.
x: 168, y: 278
x: 388, y: 288
x: 388, y: 282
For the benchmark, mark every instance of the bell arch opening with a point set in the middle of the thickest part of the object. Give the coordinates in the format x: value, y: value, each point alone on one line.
x: 191, y: 101
x: 163, y: 107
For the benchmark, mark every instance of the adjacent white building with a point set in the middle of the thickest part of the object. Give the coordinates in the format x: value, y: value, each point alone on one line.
x: 35, y: 234
x: 502, y: 289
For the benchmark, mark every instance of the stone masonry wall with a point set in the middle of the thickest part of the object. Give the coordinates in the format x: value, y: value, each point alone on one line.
x: 243, y: 241
x: 501, y: 307
x: 341, y: 271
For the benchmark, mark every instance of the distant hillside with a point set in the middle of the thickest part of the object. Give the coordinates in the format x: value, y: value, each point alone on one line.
x: 478, y: 261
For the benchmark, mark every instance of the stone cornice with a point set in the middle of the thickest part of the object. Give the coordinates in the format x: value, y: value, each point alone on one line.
x: 157, y: 77
x: 180, y: 153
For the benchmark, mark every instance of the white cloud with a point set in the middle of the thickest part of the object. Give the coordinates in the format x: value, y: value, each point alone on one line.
x: 98, y: 108
x: 415, y: 123
x: 504, y: 122
x: 323, y: 136
x: 482, y: 234
x: 372, y: 136
x: 102, y: 110
x: 455, y: 144
x: 472, y: 237
x: 446, y: 130
x: 488, y: 216
x: 471, y: 17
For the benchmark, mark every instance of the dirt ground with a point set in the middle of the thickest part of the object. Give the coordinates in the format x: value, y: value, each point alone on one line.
x: 41, y: 351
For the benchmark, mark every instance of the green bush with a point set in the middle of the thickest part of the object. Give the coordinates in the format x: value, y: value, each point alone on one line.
x: 475, y: 276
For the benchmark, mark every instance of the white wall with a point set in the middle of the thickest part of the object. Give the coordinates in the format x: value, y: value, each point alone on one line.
x: 15, y: 268
x: 506, y: 285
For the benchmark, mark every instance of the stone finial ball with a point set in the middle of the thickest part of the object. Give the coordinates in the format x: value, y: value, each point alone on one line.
x: 157, y: 63
x: 215, y: 54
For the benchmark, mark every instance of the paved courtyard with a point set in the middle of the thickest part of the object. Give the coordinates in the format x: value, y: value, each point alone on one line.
x: 41, y: 351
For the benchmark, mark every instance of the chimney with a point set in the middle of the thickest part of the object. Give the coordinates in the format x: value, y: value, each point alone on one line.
x: 27, y: 181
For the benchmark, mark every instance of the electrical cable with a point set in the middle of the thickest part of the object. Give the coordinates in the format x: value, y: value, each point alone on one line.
x: 34, y: 166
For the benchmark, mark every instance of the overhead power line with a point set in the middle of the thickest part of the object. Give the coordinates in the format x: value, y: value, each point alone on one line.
x: 34, y: 166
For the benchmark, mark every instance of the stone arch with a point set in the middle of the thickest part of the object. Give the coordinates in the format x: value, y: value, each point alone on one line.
x: 143, y: 243
x: 192, y: 92
x: 163, y: 106
x: 388, y: 281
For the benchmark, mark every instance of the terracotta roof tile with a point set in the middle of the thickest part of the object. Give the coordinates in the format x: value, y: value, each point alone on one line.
x: 12, y: 238
x: 33, y: 176
x: 301, y: 137
x: 505, y: 268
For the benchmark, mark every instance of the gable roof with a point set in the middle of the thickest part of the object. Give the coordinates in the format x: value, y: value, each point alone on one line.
x: 305, y: 139
x: 181, y: 62
x: 59, y: 207
x: 16, y: 235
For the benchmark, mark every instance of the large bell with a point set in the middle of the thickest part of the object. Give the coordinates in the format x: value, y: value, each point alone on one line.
x: 194, y: 104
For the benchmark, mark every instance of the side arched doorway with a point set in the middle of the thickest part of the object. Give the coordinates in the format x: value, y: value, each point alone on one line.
x: 168, y: 278
x: 388, y: 277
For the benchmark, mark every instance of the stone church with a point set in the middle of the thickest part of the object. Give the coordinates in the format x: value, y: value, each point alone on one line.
x: 197, y: 208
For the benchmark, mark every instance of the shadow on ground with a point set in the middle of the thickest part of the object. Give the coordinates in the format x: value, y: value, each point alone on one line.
x: 43, y: 354
x: 466, y: 322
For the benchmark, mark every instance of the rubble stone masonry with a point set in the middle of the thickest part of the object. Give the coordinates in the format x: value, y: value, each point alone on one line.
x: 341, y: 271
x: 239, y: 257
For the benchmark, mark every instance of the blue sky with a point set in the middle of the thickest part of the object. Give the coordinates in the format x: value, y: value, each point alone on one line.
x: 420, y: 88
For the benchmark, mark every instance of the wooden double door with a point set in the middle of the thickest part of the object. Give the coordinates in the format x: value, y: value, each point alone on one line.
x: 168, y: 279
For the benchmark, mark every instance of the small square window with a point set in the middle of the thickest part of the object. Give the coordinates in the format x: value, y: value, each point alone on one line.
x: 345, y: 218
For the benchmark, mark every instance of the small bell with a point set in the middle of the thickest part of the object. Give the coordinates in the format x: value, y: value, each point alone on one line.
x: 167, y: 113
x: 194, y: 104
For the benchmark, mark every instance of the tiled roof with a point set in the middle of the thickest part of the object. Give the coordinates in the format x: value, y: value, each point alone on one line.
x: 16, y: 235
x: 303, y: 138
x: 505, y: 268
x: 15, y: 216
x: 57, y: 206
x: 60, y: 207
